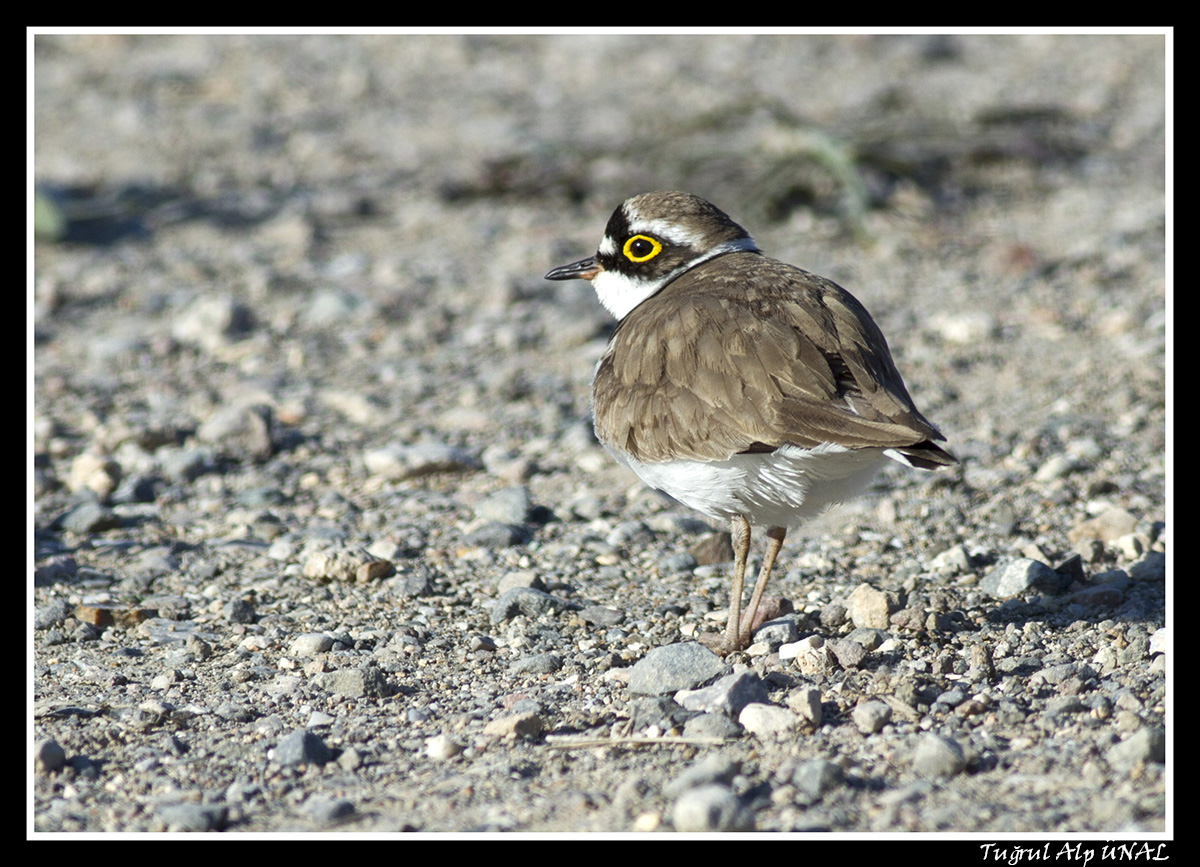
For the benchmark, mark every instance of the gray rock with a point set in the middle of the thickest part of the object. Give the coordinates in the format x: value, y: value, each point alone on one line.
x: 938, y: 756
x: 712, y: 725
x: 812, y: 779
x: 508, y: 506
x: 539, y: 663
x: 194, y: 817
x: 241, y: 431
x: 1146, y: 745
x: 88, y: 518
x: 396, y: 462
x: 528, y: 602
x: 1019, y: 577
x: 710, y: 808
x: 728, y: 695
x: 302, y: 747
x: 673, y: 667
x: 49, y: 757
x: 497, y: 535
x: 712, y: 768
x: 871, y: 716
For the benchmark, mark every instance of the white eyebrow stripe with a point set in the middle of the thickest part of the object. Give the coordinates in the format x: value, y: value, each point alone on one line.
x: 665, y: 229
x: 607, y: 246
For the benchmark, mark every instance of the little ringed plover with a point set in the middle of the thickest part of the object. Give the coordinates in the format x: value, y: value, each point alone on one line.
x: 753, y: 391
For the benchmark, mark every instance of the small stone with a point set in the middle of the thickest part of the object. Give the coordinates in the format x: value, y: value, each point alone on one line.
x: 441, y: 747
x: 812, y: 779
x: 241, y: 431
x: 327, y: 811
x: 302, y: 747
x: 49, y: 757
x: 768, y: 720
x: 712, y: 725
x: 310, y: 644
x: 713, y: 768
x: 954, y: 560
x: 938, y: 756
x: 194, y: 817
x: 871, y: 716
x: 602, y: 615
x: 728, y: 695
x: 850, y: 654
x: 88, y: 518
x: 238, y: 611
x: 806, y: 701
x: 710, y: 808
x: 213, y: 321
x: 539, y: 663
x: 398, y: 462
x: 1019, y: 577
x: 366, y: 680
x: 868, y: 607
x: 1145, y: 745
x: 522, y: 725
x: 497, y: 535
x: 677, y: 564
x: 95, y: 473
x: 507, y: 506
x: 527, y: 601
x: 1160, y: 640
x: 1152, y: 567
x: 668, y: 669
x: 1105, y: 527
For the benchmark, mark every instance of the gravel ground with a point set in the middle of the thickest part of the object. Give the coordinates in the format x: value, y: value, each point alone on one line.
x: 322, y: 540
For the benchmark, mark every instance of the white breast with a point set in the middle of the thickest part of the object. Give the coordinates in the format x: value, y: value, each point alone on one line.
x: 783, y: 488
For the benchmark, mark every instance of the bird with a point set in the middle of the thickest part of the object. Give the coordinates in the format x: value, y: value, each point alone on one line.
x: 748, y: 389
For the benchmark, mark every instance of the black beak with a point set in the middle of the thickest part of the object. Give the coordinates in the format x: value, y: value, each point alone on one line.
x: 584, y: 269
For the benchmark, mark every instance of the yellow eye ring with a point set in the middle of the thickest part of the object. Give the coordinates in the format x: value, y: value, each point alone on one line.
x: 641, y: 248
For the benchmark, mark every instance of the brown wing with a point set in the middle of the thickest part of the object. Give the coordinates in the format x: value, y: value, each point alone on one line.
x: 749, y: 357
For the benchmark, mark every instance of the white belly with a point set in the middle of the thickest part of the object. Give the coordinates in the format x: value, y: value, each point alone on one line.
x: 783, y: 488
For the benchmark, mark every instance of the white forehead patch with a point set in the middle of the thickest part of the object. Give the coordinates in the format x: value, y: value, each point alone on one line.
x: 607, y: 247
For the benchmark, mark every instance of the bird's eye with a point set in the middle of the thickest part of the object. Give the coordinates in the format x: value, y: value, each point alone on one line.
x: 641, y: 248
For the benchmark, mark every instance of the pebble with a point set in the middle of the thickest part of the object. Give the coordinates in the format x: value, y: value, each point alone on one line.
x: 814, y: 778
x: 243, y: 432
x: 528, y: 602
x: 397, y: 462
x: 521, y: 725
x: 1105, y: 527
x: 712, y: 725
x: 442, y: 747
x: 365, y: 680
x: 49, y: 757
x: 89, y: 518
x: 194, y: 817
x: 869, y: 607
x: 728, y: 695
x: 325, y: 810
x: 302, y: 747
x: 1147, y: 744
x: 768, y: 720
x: 713, y: 768
x: 937, y: 756
x: 673, y: 667
x: 539, y: 663
x: 1019, y: 577
x: 710, y: 808
x: 871, y: 716
x: 310, y: 644
x: 806, y: 701
x: 507, y: 506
